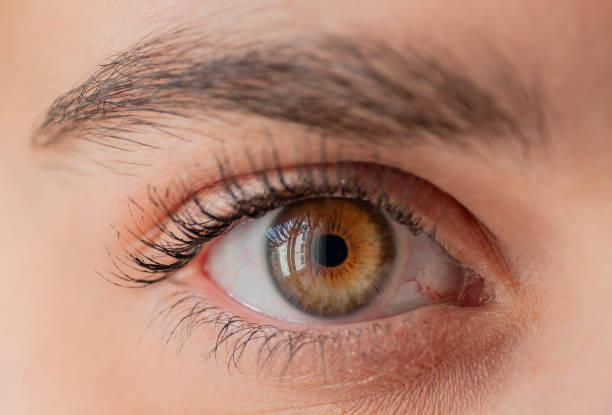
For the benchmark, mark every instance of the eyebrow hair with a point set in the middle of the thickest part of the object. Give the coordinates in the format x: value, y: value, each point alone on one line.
x: 352, y: 87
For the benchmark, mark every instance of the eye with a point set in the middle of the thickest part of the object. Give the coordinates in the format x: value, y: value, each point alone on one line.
x: 309, y: 271
x: 337, y: 258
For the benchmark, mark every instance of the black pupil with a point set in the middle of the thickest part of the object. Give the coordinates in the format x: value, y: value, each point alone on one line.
x: 330, y: 250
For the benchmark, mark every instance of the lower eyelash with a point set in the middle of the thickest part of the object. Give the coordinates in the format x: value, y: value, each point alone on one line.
x: 189, y: 312
x: 330, y: 355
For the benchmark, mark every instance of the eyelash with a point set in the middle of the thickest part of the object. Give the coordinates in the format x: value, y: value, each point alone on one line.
x: 193, y: 226
x: 185, y: 243
x: 189, y: 311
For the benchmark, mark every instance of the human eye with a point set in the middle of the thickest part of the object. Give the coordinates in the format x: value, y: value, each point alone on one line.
x: 323, y: 273
x: 340, y: 252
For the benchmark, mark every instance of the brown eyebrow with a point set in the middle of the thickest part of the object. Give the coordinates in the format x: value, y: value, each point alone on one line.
x: 353, y: 87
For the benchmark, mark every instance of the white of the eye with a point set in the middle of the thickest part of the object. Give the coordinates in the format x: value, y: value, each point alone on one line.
x: 238, y: 263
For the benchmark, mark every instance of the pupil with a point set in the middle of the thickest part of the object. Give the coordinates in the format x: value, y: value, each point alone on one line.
x: 330, y: 250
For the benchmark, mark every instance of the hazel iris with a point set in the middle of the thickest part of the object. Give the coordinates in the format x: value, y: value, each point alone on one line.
x: 330, y: 256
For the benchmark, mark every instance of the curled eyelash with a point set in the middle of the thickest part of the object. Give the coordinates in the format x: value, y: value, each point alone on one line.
x: 181, y: 233
x: 185, y: 221
x: 181, y: 222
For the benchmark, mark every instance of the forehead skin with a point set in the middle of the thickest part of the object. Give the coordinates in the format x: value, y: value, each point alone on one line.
x: 50, y: 351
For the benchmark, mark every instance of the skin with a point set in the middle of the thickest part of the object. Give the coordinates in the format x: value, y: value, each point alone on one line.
x: 73, y: 343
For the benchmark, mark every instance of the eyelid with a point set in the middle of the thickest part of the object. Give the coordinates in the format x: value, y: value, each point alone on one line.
x: 428, y: 347
x: 442, y: 217
x: 410, y: 350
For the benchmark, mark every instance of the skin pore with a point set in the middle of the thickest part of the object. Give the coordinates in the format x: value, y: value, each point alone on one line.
x: 515, y: 102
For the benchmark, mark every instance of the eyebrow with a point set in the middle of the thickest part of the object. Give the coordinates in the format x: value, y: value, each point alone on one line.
x: 361, y: 88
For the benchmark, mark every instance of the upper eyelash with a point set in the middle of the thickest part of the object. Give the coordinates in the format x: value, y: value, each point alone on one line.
x: 177, y: 248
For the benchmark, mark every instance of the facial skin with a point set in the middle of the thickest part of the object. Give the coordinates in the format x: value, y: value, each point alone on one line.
x: 73, y: 342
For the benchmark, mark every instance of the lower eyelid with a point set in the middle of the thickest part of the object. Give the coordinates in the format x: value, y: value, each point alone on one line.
x: 422, y: 350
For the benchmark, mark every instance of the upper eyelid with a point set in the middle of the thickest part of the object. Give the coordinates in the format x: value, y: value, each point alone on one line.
x: 186, y: 230
x: 182, y: 241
